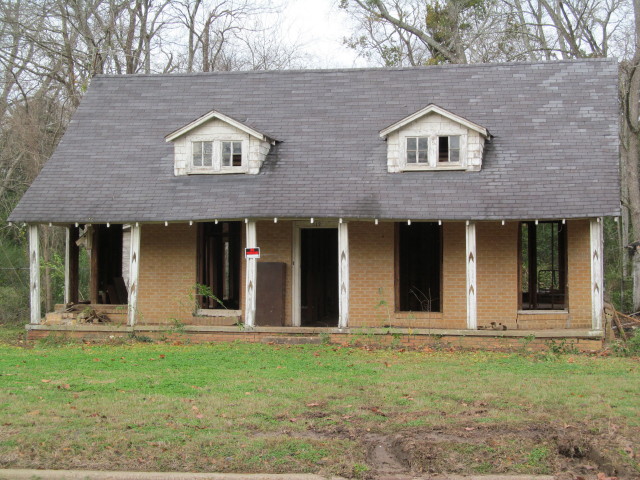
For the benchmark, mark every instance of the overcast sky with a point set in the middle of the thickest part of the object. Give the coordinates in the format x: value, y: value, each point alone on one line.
x: 319, y: 26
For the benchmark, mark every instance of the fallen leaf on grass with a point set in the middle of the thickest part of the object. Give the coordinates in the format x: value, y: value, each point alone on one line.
x: 96, y: 359
x: 46, y: 381
x: 293, y: 420
x: 64, y: 386
x: 35, y: 412
x: 314, y: 404
x: 376, y: 410
x: 468, y: 429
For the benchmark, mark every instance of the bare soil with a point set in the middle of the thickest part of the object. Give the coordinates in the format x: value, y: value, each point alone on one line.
x: 569, y: 452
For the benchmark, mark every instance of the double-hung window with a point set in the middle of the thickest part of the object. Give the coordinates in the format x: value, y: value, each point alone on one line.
x: 231, y: 154
x: 202, y: 154
x: 449, y: 149
x: 218, y: 156
x: 418, y: 150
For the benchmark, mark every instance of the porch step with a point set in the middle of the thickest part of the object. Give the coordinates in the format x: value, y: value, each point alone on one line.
x: 297, y: 340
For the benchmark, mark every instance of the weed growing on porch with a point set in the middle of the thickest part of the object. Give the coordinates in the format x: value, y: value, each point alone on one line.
x: 313, y: 408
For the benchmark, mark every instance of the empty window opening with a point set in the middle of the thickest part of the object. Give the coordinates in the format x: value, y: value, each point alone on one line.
x: 219, y: 253
x: 202, y: 154
x: 319, y: 277
x: 417, y: 150
x: 449, y: 149
x: 231, y: 154
x: 543, y: 265
x: 418, y: 267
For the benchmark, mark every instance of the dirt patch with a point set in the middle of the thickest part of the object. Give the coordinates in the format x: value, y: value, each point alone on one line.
x: 573, y: 452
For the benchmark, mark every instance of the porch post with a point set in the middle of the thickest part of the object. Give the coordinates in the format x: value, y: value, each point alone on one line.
x: 67, y: 266
x: 472, y: 317
x: 34, y: 273
x: 251, y: 274
x: 71, y: 265
x: 134, y: 269
x: 597, y: 269
x: 343, y: 274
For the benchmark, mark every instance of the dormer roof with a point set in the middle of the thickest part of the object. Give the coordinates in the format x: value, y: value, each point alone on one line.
x: 431, y: 108
x: 213, y: 114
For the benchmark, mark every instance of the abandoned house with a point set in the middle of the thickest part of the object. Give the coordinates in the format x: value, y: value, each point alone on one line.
x: 465, y: 201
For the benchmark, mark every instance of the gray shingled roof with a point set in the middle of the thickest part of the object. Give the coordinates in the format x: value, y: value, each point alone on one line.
x: 554, y: 152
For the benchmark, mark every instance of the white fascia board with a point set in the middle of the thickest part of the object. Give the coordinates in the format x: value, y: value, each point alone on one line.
x: 222, y: 117
x: 440, y: 111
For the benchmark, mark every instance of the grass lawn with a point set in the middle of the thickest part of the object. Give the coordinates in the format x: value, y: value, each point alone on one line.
x: 327, y: 409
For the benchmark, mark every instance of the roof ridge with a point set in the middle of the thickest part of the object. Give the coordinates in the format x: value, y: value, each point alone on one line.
x: 360, y: 69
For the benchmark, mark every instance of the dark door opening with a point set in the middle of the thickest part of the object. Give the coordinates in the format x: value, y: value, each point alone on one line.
x: 319, y: 277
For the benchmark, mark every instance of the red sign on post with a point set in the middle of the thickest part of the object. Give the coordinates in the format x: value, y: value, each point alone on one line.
x: 252, y: 252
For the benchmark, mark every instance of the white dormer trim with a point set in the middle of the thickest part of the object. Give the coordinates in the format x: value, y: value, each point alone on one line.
x: 216, y: 129
x: 431, y: 108
x: 427, y: 129
x: 220, y: 116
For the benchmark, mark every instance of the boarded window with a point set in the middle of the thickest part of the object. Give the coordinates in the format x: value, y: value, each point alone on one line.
x: 219, y: 253
x: 543, y: 265
x: 418, y: 267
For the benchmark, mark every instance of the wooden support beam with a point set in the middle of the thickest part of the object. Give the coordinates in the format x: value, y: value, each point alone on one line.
x: 597, y: 272
x: 134, y: 269
x: 94, y: 260
x: 343, y: 275
x: 472, y: 315
x: 251, y: 276
x: 71, y: 265
x: 34, y: 273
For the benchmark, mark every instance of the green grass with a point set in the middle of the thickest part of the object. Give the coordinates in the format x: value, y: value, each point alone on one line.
x: 260, y: 408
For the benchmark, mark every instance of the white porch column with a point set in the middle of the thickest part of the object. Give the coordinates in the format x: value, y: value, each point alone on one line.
x: 472, y: 314
x: 597, y: 272
x: 34, y: 273
x: 251, y: 274
x: 343, y: 275
x: 134, y: 269
x: 67, y: 271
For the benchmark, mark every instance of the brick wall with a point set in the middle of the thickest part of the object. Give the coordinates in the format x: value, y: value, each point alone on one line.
x: 372, y: 272
x: 497, y: 273
x: 168, y: 274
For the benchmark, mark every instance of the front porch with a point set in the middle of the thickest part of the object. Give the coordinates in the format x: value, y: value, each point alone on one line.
x: 476, y: 294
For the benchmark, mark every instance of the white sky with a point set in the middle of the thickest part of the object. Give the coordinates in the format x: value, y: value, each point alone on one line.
x: 319, y: 27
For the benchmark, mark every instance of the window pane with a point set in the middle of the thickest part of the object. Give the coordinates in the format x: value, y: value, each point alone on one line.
x: 226, y: 159
x: 226, y: 147
x: 454, y: 142
x: 422, y: 156
x: 411, y: 143
x: 237, y: 154
x: 197, y: 153
x: 454, y: 155
x: 207, y: 154
x: 423, y: 143
x: 443, y: 149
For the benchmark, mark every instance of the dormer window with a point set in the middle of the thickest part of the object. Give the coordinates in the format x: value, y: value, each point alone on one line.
x: 418, y: 150
x: 449, y: 149
x: 231, y: 154
x: 218, y: 144
x: 434, y: 139
x: 217, y: 156
x: 202, y: 153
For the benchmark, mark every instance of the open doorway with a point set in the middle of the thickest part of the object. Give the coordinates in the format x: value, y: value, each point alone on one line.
x: 319, y: 277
